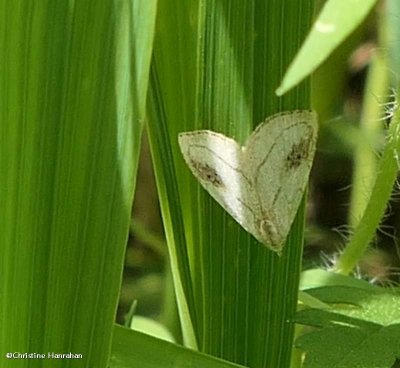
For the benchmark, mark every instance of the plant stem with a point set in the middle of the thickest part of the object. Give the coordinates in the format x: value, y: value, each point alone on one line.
x: 386, y: 176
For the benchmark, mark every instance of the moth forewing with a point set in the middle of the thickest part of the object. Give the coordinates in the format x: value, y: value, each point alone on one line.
x: 216, y: 162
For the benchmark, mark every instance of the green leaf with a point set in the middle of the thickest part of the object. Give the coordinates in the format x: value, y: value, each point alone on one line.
x: 336, y: 21
x: 351, y: 347
x: 73, y: 85
x: 216, y: 66
x: 381, y: 306
x: 361, y: 329
x: 350, y: 344
x: 151, y: 327
x: 306, y: 299
x: 315, y: 278
x: 135, y: 349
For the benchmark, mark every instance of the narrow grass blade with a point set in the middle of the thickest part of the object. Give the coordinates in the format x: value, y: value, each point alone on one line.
x: 216, y: 66
x: 336, y: 21
x: 134, y: 349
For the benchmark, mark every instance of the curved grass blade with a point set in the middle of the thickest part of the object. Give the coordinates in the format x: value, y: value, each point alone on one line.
x: 336, y: 21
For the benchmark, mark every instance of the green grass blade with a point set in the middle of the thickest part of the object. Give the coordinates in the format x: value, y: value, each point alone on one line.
x: 336, y: 21
x: 69, y: 141
x: 216, y: 66
x: 134, y: 349
x: 173, y: 61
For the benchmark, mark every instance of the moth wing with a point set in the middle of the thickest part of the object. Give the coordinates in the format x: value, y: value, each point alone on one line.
x: 279, y: 154
x: 216, y: 161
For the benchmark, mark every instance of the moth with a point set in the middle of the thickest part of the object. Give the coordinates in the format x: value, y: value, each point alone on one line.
x: 261, y: 183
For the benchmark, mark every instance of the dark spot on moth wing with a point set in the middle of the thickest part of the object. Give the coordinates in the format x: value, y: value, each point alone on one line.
x: 269, y: 235
x: 299, y: 152
x: 206, y: 173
